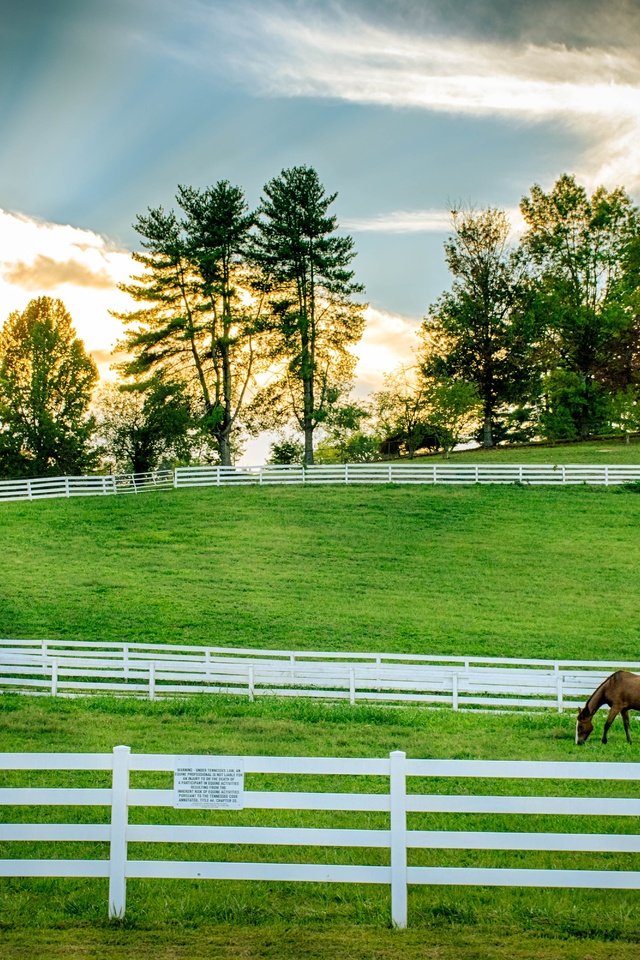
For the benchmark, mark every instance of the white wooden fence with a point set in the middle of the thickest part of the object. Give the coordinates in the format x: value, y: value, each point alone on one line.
x: 397, y: 839
x: 72, y: 668
x: 420, y: 472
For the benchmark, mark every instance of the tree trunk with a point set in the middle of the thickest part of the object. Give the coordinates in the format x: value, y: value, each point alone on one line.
x: 225, y: 450
x: 487, y: 433
x: 308, y: 446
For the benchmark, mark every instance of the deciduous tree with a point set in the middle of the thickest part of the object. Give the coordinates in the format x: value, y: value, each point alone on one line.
x: 46, y: 382
x: 579, y: 247
x: 139, y: 429
x: 478, y: 331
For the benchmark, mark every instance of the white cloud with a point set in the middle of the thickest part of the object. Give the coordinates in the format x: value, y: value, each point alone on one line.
x: 77, y: 266
x: 594, y: 90
x: 389, y: 340
x: 418, y: 221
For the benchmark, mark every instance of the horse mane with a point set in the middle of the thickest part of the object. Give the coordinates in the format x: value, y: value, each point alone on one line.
x: 586, y: 711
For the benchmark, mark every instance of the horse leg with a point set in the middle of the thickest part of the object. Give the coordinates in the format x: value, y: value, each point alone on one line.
x: 625, y: 720
x: 613, y: 713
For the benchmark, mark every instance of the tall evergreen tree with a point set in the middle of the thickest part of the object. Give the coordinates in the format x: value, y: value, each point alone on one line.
x: 306, y: 272
x: 196, y: 325
x: 46, y: 382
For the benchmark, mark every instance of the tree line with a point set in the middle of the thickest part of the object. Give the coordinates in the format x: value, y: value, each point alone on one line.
x: 246, y: 321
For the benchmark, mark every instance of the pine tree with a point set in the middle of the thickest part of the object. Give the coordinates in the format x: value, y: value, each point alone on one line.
x: 313, y: 320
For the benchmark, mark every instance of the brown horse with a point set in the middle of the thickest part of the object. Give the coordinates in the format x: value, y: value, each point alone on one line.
x: 621, y: 692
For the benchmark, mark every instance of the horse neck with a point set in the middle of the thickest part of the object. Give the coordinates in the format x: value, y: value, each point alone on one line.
x: 595, y: 701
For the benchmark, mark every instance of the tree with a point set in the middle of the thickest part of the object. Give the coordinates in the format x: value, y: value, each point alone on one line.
x: 346, y: 439
x: 400, y: 413
x: 453, y: 410
x: 579, y: 247
x: 313, y: 321
x: 478, y: 332
x: 46, y: 382
x: 139, y: 429
x: 285, y: 451
x: 198, y: 325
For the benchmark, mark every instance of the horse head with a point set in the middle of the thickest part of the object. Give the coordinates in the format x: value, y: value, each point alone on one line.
x: 584, y: 726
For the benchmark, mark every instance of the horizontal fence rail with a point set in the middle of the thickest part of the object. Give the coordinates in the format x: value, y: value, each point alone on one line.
x: 76, y: 668
x: 344, y: 473
x: 202, y: 783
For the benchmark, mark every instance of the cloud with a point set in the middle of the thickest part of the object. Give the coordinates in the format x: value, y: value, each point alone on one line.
x: 402, y: 221
x: 419, y: 221
x: 79, y: 266
x: 389, y: 340
x: 47, y: 273
x: 296, y: 52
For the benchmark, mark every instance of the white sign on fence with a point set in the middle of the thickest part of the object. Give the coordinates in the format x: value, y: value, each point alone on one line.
x: 206, y: 787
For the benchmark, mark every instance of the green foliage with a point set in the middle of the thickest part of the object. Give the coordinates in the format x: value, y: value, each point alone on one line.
x: 400, y: 414
x: 313, y: 321
x: 46, y: 381
x: 581, y: 253
x: 454, y: 407
x: 139, y: 430
x: 196, y: 324
x: 479, y: 331
x: 286, y: 451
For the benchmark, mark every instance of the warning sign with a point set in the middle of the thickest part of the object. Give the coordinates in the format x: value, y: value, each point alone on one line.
x: 205, y: 786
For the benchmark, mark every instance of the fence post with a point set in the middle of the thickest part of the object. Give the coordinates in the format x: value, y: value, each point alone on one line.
x: 352, y: 686
x: 454, y: 691
x: 66, y: 487
x: 29, y: 490
x: 175, y: 478
x: 152, y: 680
x: 559, y: 692
x: 398, y: 797
x: 118, y: 833
x: 54, y: 678
x: 251, y: 684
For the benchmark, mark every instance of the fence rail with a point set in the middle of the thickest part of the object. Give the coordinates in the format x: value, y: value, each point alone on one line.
x: 74, y: 668
x: 350, y: 473
x: 396, y: 802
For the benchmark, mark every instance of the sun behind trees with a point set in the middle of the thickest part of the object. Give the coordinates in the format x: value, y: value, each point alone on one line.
x: 252, y: 312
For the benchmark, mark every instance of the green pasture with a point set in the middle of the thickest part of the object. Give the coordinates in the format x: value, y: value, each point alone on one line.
x: 477, y: 570
x: 174, y: 919
x: 611, y: 450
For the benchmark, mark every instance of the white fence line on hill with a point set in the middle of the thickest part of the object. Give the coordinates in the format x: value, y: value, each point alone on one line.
x: 211, y: 771
x: 76, y: 668
x: 440, y: 472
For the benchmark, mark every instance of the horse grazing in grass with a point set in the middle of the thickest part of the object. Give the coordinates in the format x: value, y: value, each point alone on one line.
x: 621, y: 693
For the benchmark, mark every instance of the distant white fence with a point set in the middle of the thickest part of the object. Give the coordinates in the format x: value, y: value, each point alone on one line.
x: 420, y: 472
x: 396, y: 802
x: 74, y: 668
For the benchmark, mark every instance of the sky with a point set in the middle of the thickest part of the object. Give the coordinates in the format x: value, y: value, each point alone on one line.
x: 406, y: 109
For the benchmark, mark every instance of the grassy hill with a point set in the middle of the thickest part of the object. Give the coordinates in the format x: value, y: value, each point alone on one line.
x: 460, y: 570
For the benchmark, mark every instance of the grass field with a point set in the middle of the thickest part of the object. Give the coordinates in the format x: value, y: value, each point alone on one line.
x: 187, y: 918
x: 591, y: 451
x: 501, y: 571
